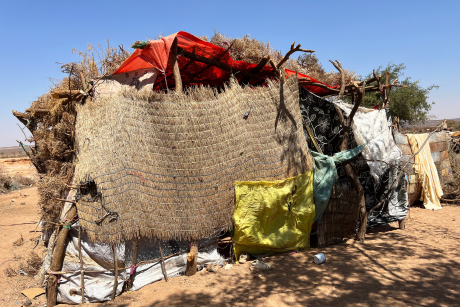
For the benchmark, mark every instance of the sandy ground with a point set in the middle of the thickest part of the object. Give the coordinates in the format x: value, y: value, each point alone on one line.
x: 416, y: 266
x: 18, y: 166
x: 18, y: 218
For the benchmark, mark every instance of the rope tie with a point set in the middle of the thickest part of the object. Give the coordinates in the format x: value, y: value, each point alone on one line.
x: 58, y: 276
x: 133, y: 268
x: 69, y: 222
x: 313, y: 140
x: 166, y: 82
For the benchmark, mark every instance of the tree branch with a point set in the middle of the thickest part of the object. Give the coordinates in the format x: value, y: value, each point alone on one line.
x: 338, y: 66
x: 258, y: 68
x: 291, y: 51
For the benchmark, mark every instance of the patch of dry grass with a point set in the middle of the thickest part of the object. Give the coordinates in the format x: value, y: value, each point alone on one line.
x: 10, y: 272
x: 31, y: 264
x: 19, y: 241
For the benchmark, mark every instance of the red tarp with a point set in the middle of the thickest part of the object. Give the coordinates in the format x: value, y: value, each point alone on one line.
x: 156, y: 54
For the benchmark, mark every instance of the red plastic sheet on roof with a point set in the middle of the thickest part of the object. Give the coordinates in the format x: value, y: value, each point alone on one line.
x: 156, y: 54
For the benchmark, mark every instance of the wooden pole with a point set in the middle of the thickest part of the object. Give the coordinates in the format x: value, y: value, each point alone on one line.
x: 402, y: 224
x: 218, y: 64
x: 133, y: 262
x: 60, y: 94
x: 258, y: 68
x: 163, y: 267
x: 192, y: 260
x: 115, y: 265
x: 58, y: 259
x: 350, y: 170
x: 175, y: 66
x: 82, y: 273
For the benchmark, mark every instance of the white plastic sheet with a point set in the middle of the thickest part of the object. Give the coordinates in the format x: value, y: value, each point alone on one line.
x: 99, y: 257
x: 371, y: 127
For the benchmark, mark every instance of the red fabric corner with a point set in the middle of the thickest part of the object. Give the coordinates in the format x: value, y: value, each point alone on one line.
x: 156, y: 54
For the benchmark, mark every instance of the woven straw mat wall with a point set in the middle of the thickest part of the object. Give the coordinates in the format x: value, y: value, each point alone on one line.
x: 166, y: 163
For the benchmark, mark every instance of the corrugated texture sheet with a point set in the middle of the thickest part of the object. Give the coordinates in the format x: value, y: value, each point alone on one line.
x: 165, y: 164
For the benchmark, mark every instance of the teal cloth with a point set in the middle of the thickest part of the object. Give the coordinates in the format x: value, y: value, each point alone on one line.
x: 139, y: 45
x: 325, y: 175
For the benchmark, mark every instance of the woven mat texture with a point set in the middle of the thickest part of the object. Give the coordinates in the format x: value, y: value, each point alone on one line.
x: 166, y: 164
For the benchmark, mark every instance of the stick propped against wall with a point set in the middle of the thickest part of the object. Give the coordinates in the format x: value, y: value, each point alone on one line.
x: 115, y: 265
x: 58, y: 258
x: 163, y: 267
x: 175, y: 66
x: 82, y: 276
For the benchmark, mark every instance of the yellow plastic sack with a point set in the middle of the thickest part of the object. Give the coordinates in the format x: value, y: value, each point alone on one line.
x: 273, y: 216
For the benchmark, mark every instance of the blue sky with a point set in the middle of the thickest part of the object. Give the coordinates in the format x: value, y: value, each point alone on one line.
x: 424, y: 35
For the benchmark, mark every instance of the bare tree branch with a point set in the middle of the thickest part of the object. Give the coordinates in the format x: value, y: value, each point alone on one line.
x: 291, y: 51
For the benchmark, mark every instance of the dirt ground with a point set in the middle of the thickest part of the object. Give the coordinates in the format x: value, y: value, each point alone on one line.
x: 17, y: 219
x: 18, y: 166
x: 416, y: 266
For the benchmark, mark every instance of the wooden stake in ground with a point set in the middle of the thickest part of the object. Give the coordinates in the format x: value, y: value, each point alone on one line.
x: 192, y: 260
x: 133, y: 263
x: 115, y: 266
x: 402, y: 224
x: 82, y: 276
x: 163, y: 267
x: 58, y: 258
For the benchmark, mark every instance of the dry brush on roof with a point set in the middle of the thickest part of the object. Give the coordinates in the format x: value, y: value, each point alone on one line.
x: 165, y: 164
x: 51, y: 120
x: 252, y: 50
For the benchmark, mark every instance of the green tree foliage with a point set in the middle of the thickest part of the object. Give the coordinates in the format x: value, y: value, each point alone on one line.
x: 409, y: 104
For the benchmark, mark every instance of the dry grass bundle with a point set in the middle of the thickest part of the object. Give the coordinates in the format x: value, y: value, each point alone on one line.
x: 165, y: 164
x: 10, y: 272
x: 5, y: 181
x: 52, y: 123
x: 23, y: 180
x: 246, y: 48
x: 251, y: 50
x: 13, y: 183
x: 19, y: 241
x: 31, y: 264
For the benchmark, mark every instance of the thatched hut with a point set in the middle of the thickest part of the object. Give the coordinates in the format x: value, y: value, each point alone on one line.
x: 140, y: 162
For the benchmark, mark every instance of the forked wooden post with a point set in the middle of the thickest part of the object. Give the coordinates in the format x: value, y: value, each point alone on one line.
x: 175, y: 66
x: 58, y: 258
x: 192, y: 260
x: 115, y: 266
